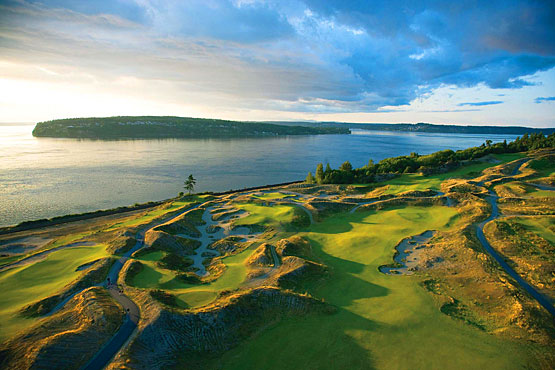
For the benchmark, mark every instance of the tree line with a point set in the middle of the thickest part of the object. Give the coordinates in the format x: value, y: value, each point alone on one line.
x: 437, y: 162
x: 169, y: 127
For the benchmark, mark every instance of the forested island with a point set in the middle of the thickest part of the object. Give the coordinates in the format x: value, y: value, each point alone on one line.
x: 146, y: 127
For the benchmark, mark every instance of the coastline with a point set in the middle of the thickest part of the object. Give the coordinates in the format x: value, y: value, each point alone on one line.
x: 64, y: 219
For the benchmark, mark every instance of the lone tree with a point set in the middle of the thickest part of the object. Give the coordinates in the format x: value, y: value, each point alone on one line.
x: 189, y: 184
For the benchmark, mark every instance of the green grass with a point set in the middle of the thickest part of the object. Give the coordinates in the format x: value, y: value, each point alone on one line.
x: 9, y: 259
x: 529, y: 190
x: 383, y: 321
x: 152, y: 276
x: 412, y: 182
x: 188, y: 295
x: 275, y: 215
x: 26, y: 284
x: 271, y: 196
x: 537, y: 193
x: 543, y: 226
x: 157, y: 213
x: 67, y: 239
x: 543, y: 167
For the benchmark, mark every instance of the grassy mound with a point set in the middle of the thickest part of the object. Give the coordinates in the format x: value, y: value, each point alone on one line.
x: 94, y: 274
x: 232, y: 318
x: 296, y: 273
x: 68, y: 339
x: 184, y: 224
x: 262, y: 256
x: 528, y: 244
x: 163, y: 241
x: 228, y: 245
x: 294, y: 246
x: 279, y: 217
x: 121, y: 243
x: 172, y: 261
x: 31, y: 283
x: 164, y: 297
x: 377, y: 314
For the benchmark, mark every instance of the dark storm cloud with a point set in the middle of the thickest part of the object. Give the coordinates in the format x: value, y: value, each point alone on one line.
x: 430, y: 43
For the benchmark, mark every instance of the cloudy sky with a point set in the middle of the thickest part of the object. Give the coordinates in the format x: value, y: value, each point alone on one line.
x: 464, y: 62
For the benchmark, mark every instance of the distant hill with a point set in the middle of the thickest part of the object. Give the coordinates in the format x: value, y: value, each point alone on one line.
x: 145, y: 127
x: 428, y: 127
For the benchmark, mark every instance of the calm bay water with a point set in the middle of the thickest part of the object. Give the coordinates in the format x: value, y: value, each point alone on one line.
x: 45, y: 177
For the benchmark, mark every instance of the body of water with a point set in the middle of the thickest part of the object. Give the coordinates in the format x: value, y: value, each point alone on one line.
x: 46, y: 177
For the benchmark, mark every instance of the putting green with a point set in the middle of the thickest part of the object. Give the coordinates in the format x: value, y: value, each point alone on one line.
x: 383, y: 321
x: 23, y: 285
x: 275, y: 215
x: 64, y: 240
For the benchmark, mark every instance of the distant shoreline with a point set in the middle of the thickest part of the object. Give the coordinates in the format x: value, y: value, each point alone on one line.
x: 151, y: 127
x: 429, y: 128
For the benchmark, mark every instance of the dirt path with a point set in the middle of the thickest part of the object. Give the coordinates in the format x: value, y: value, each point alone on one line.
x: 126, y: 330
x: 540, y: 298
x: 132, y: 312
x: 105, y: 355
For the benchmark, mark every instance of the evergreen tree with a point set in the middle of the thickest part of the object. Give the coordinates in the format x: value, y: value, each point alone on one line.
x: 346, y: 166
x: 320, y: 173
x: 309, y: 178
x: 328, y: 170
x: 189, y: 184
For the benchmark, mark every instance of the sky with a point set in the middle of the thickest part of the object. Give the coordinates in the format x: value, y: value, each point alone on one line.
x: 459, y: 62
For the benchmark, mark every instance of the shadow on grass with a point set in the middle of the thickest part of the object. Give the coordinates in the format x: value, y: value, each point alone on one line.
x: 343, y: 287
x: 344, y: 224
x: 312, y: 341
x: 147, y: 278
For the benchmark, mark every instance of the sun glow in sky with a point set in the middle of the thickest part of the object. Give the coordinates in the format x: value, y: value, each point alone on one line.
x: 357, y: 61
